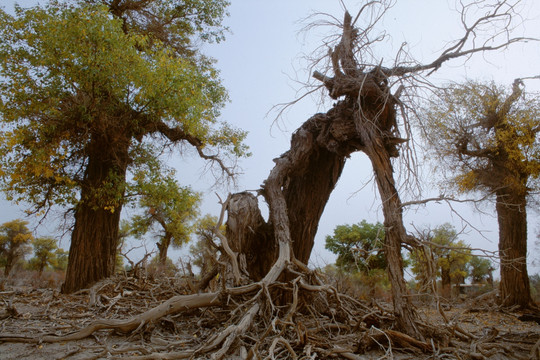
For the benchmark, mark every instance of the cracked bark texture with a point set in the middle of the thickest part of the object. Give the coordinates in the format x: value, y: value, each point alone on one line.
x: 364, y: 120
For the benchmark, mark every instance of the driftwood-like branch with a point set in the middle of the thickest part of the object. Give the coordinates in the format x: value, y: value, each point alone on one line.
x: 173, y: 305
x: 225, y: 243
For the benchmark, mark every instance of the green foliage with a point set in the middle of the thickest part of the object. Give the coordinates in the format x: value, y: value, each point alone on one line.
x: 203, y: 252
x: 14, y: 243
x: 359, y: 247
x: 168, y: 208
x: 486, y: 136
x: 61, y: 260
x: 81, y: 75
x: 480, y: 269
x: 442, y: 255
x: 44, y: 253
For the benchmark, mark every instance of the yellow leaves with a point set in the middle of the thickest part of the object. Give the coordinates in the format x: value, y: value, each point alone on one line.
x: 110, y: 208
x: 482, y: 142
x: 466, y: 182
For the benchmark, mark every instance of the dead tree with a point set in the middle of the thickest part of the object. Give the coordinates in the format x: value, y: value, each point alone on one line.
x: 364, y: 119
x: 310, y: 172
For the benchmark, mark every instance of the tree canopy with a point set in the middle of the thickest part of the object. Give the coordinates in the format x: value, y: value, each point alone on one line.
x: 480, y: 269
x: 45, y: 253
x: 15, y: 238
x: 359, y: 247
x: 443, y: 256
x: 168, y: 210
x: 486, y: 136
x: 73, y: 74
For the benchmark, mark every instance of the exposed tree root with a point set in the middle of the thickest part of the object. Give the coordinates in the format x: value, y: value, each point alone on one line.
x: 249, y: 322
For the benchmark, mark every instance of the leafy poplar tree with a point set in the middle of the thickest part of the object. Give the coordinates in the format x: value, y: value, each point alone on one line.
x: 487, y: 139
x: 480, y: 270
x: 444, y: 256
x: 44, y: 253
x: 359, y: 247
x: 168, y: 210
x: 92, y: 91
x: 14, y: 243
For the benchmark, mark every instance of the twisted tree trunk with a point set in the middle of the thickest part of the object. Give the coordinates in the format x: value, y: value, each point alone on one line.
x: 304, y: 176
x: 315, y: 161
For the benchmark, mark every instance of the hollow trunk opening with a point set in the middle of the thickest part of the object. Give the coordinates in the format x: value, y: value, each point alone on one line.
x: 318, y: 152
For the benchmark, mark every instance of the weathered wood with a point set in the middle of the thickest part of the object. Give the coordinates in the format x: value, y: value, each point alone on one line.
x: 300, y: 184
x: 249, y: 235
x: 304, y: 176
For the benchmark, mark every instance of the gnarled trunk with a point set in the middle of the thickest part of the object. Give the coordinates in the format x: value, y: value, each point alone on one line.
x: 512, y: 218
x: 365, y: 120
x: 317, y: 156
x: 395, y: 233
x: 94, y: 240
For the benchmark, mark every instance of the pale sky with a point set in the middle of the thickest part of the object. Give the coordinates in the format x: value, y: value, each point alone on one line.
x: 259, y: 62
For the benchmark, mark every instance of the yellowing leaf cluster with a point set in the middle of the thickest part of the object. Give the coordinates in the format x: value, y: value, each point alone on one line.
x: 77, y: 78
x: 486, y: 136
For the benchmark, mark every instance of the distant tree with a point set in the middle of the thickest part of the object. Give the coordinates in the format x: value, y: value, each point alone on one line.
x: 446, y: 253
x: 204, y: 251
x: 14, y: 243
x: 93, y: 89
x: 487, y: 138
x: 169, y: 211
x: 359, y: 247
x: 44, y: 253
x: 61, y: 260
x: 155, y: 267
x: 480, y: 269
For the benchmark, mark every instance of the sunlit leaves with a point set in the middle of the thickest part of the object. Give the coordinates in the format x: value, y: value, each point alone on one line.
x: 484, y: 140
x: 359, y: 247
x: 443, y: 253
x: 14, y: 243
x: 168, y: 209
x: 77, y: 74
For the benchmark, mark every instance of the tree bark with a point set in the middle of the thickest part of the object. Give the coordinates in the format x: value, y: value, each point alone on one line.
x: 8, y: 267
x: 94, y: 239
x: 446, y: 283
x: 364, y: 120
x: 512, y: 218
x: 249, y: 236
x: 395, y: 233
x: 163, y: 247
x: 318, y: 152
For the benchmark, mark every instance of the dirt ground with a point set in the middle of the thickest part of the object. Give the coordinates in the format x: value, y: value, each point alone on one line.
x: 32, y: 313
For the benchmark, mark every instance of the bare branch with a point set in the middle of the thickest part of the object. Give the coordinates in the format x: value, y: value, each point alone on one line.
x: 176, y: 134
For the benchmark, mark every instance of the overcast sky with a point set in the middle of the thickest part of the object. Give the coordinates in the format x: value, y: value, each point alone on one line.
x: 260, y: 62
